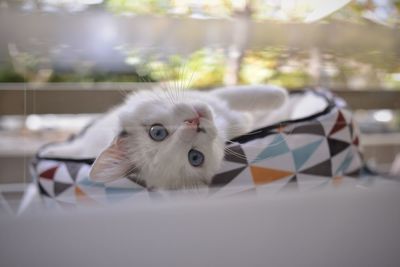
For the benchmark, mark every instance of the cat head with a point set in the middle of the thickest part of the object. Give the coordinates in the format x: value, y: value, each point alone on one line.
x: 167, y: 144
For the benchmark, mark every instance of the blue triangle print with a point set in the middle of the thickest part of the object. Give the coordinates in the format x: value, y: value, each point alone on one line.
x: 276, y: 148
x: 302, y: 154
x: 345, y: 164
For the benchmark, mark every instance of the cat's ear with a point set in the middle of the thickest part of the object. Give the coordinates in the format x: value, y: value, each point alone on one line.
x: 112, y: 163
x: 253, y: 97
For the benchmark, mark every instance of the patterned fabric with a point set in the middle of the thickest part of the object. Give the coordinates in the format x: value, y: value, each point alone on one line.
x: 319, y: 151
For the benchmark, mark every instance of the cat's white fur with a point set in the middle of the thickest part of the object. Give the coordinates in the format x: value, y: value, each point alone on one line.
x: 223, y: 113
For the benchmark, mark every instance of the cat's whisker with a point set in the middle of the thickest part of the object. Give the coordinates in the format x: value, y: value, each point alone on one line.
x: 183, y: 86
x: 176, y: 85
x: 169, y: 162
x: 233, y: 153
x: 168, y: 84
x: 189, y: 83
x: 179, y: 83
x: 131, y: 170
x: 168, y: 96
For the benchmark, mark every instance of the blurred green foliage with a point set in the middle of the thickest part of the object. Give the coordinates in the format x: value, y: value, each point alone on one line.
x: 208, y: 67
x: 386, y: 12
x: 7, y: 74
x: 99, y: 76
x: 203, y: 68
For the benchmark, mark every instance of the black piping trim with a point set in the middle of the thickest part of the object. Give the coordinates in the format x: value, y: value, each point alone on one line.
x: 268, y: 130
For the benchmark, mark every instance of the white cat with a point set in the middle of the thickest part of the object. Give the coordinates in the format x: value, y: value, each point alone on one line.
x: 170, y: 139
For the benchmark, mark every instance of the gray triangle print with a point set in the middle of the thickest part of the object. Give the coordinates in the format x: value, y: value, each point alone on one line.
x: 313, y: 127
x: 60, y: 187
x: 73, y: 169
x: 235, y: 154
x: 322, y: 169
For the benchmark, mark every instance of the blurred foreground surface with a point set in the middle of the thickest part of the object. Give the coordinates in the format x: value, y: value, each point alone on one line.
x: 357, y: 227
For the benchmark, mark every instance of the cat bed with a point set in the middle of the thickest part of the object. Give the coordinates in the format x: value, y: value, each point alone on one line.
x: 316, y: 151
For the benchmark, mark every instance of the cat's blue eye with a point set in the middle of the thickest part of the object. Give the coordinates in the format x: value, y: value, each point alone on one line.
x: 158, y: 132
x: 196, y: 158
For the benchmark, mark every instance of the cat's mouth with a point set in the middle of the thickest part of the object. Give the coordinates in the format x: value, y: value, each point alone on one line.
x: 201, y: 130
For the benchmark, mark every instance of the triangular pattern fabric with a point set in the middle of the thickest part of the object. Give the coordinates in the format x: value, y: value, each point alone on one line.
x: 347, y: 115
x: 60, y: 187
x: 68, y: 195
x: 312, y: 153
x: 45, y: 165
x: 73, y: 169
x: 320, y: 154
x: 322, y: 169
x: 81, y: 196
x: 338, y: 159
x: 49, y: 174
x: 62, y: 175
x: 356, y: 141
x: 356, y: 162
x: 272, y: 163
x: 340, y: 123
x: 337, y: 146
x: 342, y: 135
x: 313, y: 127
x: 351, y: 129
x: 302, y: 154
x: 265, y: 175
x: 295, y: 141
x: 96, y: 191
x: 79, y: 192
x: 328, y: 122
x: 229, y: 165
x: 345, y: 164
x: 243, y: 180
x: 236, y: 154
x: 83, y: 173
x: 47, y: 186
x: 43, y: 191
x: 225, y: 177
x: 277, y: 147
x: 255, y: 147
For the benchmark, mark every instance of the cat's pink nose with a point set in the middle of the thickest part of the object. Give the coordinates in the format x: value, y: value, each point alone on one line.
x: 194, y: 122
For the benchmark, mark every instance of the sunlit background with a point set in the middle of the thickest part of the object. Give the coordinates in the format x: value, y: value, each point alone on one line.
x: 56, y: 55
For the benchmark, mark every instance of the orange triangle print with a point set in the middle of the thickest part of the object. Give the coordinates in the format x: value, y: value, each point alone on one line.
x: 266, y: 175
x: 79, y: 192
x: 82, y: 197
x: 337, y: 180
